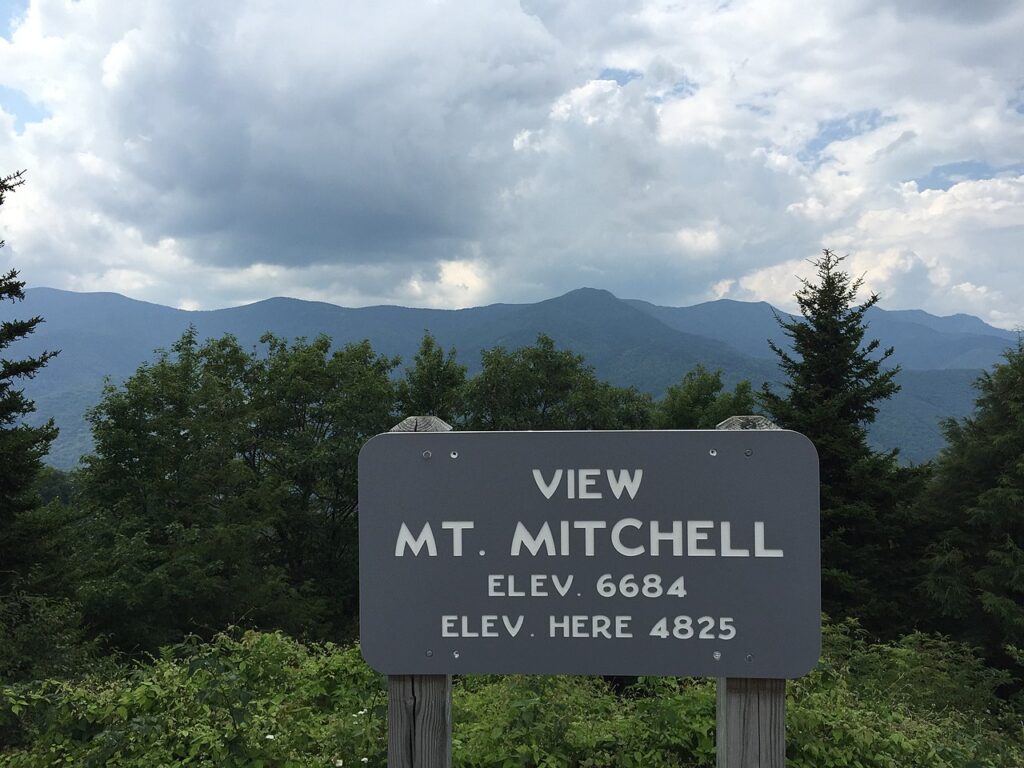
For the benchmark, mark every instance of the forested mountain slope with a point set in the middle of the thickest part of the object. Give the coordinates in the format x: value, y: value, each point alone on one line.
x: 628, y: 342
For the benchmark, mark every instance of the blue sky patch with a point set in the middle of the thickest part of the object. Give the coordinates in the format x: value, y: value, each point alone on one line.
x: 9, y: 11
x: 945, y: 176
x: 841, y: 129
x: 620, y: 76
x: 681, y: 89
x: 16, y: 103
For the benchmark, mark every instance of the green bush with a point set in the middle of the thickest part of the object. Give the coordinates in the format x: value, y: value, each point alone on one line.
x: 261, y: 699
x: 264, y: 699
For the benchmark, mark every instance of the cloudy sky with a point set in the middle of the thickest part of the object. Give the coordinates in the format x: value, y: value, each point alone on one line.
x: 431, y: 153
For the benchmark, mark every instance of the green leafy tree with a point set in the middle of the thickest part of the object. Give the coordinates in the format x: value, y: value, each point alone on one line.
x: 313, y: 409
x: 835, y: 379
x: 699, y: 401
x: 540, y: 387
x: 433, y: 386
x: 974, y: 578
x: 167, y: 537
x: 223, y: 491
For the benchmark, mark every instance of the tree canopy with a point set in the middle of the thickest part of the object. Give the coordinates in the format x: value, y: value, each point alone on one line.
x: 541, y: 387
x: 699, y: 401
x: 974, y: 574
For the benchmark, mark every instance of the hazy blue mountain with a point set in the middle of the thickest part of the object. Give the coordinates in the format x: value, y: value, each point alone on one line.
x: 921, y: 341
x: 628, y: 342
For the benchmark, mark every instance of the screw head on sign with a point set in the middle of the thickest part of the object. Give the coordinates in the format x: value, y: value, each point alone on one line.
x: 427, y: 454
x: 717, y: 655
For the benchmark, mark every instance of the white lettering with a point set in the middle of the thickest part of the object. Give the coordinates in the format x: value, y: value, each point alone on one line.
x: 484, y: 626
x: 759, y: 548
x: 675, y: 536
x: 694, y: 535
x: 513, y: 629
x: 625, y: 481
x: 405, y: 539
x: 628, y: 522
x: 588, y: 527
x: 562, y: 589
x: 727, y: 549
x: 522, y: 537
x: 456, y: 527
x: 537, y: 585
x: 588, y: 478
x: 590, y: 626
x: 494, y: 584
x: 548, y: 489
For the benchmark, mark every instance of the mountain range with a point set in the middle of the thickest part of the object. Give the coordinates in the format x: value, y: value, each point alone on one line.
x: 628, y: 342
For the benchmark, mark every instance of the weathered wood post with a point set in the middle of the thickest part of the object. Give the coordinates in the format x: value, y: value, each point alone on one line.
x: 420, y: 706
x: 751, y: 712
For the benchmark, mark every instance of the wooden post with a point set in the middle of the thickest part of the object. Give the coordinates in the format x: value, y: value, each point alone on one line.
x: 420, y: 706
x: 751, y: 712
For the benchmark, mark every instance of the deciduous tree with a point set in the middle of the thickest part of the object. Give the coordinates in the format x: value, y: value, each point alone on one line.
x: 541, y: 387
x: 433, y: 385
x: 699, y: 401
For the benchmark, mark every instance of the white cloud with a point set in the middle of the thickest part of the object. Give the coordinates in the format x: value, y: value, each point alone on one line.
x: 205, y: 154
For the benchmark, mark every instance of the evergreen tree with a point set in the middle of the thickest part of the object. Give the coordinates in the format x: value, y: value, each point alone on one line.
x: 834, y: 383
x: 22, y: 447
x: 974, y: 578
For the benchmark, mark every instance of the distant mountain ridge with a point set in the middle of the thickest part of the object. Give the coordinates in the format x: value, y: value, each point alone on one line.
x: 628, y: 342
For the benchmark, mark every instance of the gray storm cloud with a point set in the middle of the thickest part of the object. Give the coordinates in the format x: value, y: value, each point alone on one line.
x: 207, y: 154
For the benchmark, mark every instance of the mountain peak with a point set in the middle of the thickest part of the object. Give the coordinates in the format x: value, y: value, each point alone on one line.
x: 589, y: 294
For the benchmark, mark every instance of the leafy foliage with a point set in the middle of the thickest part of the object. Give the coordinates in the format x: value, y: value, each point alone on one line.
x: 698, y: 402
x: 541, y: 387
x: 264, y: 699
x: 433, y: 385
x: 42, y: 637
x: 974, y: 577
x: 252, y: 700
x: 223, y: 490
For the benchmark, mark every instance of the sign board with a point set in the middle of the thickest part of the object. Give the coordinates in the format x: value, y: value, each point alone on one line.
x: 615, y: 553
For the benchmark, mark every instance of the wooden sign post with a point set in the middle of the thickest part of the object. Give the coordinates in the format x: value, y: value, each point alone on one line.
x: 750, y: 712
x: 420, y: 706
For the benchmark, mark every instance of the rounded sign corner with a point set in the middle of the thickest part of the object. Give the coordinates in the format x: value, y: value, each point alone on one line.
x: 803, y: 439
x: 368, y: 656
x: 810, y: 663
x: 373, y: 444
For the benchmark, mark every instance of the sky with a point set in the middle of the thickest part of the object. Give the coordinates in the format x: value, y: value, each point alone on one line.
x: 447, y: 154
